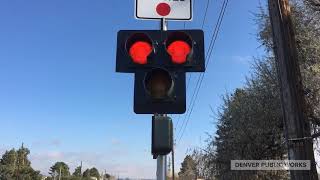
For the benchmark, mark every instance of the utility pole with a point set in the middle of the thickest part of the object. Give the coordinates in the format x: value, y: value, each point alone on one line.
x: 174, y: 143
x: 81, y: 170
x: 60, y: 173
x: 296, y: 126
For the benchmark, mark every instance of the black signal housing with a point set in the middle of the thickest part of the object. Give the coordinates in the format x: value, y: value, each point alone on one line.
x: 160, y: 40
x: 160, y: 60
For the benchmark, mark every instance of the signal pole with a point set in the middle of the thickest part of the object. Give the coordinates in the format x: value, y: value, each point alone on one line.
x: 296, y: 126
x: 164, y: 25
x: 162, y: 159
x: 161, y: 167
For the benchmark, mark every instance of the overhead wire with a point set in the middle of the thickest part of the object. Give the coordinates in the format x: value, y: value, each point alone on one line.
x: 201, y: 76
x: 194, y: 5
x: 189, y: 77
x: 208, y: 57
x: 205, y: 14
x: 188, y: 82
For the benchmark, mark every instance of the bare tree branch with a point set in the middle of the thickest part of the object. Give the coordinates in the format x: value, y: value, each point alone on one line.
x: 315, y: 135
x: 314, y: 120
x: 314, y: 3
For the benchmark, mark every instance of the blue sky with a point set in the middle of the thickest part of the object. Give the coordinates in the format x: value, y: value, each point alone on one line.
x: 60, y: 94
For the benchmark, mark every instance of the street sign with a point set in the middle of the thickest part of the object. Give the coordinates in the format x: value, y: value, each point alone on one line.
x: 168, y: 9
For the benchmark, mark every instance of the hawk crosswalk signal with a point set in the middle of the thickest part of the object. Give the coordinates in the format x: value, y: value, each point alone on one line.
x: 160, y: 60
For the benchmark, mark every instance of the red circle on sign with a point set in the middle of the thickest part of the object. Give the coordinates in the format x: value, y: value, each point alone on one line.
x: 163, y: 9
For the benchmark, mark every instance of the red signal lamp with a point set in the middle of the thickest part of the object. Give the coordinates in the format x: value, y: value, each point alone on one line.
x: 179, y: 51
x: 140, y: 51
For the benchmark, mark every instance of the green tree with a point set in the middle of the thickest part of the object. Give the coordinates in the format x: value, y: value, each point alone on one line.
x: 188, y: 170
x: 59, y: 167
x: 77, y: 172
x: 22, y: 157
x: 14, y: 164
x: 8, y: 164
x: 250, y: 128
x: 94, y: 173
x: 86, y: 173
x: 250, y: 119
x: 107, y: 176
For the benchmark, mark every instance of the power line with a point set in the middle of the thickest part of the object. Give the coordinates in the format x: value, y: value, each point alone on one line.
x: 208, y: 58
x: 205, y: 14
x: 209, y: 53
x: 194, y: 5
x: 199, y: 77
x: 188, y: 83
x: 189, y: 77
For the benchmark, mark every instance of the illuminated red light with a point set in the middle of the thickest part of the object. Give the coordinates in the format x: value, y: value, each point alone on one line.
x: 140, y: 51
x: 163, y: 9
x: 179, y: 51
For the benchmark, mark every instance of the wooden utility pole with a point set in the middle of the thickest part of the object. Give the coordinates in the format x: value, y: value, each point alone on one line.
x: 173, y: 178
x: 296, y: 126
x: 81, y: 170
x: 60, y: 172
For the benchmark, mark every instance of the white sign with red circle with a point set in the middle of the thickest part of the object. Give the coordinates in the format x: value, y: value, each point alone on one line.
x: 168, y: 9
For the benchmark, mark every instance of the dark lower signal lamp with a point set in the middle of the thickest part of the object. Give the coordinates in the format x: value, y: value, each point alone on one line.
x: 158, y: 83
